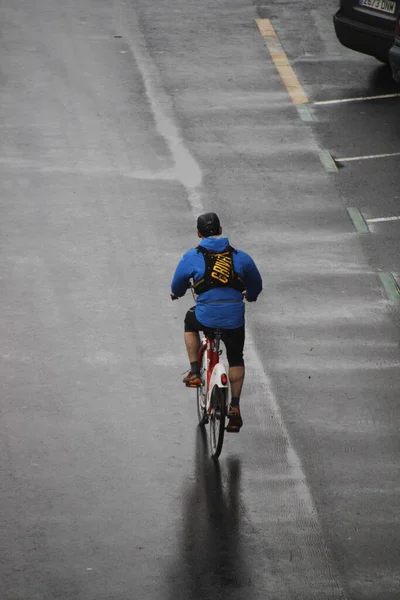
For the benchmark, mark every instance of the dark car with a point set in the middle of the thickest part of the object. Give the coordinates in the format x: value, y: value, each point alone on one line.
x: 367, y: 26
x: 394, y: 52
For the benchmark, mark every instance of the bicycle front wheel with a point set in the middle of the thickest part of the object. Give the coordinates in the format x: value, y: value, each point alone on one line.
x: 217, y: 420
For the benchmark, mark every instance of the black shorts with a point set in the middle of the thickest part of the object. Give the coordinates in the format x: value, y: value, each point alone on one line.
x: 232, y: 338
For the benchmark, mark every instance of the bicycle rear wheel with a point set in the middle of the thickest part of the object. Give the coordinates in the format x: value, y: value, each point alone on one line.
x: 202, y: 393
x: 217, y: 420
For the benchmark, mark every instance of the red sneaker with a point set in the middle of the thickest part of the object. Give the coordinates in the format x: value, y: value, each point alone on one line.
x: 235, y: 419
x: 192, y: 380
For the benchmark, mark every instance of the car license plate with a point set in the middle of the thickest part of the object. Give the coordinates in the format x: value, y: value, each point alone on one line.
x: 387, y: 6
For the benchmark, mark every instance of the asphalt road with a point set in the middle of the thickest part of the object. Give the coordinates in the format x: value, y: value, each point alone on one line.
x: 120, y: 122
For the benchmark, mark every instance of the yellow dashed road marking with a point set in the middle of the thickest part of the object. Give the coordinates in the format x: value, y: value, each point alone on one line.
x: 281, y: 62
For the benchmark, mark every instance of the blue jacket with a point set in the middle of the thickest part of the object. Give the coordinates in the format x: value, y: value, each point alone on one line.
x: 222, y: 306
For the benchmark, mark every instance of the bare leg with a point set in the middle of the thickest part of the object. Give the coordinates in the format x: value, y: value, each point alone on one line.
x: 236, y: 378
x: 192, y: 342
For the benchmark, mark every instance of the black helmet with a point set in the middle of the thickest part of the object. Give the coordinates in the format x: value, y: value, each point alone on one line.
x: 208, y: 224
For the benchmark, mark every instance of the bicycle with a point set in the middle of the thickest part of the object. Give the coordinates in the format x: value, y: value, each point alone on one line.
x: 213, y: 393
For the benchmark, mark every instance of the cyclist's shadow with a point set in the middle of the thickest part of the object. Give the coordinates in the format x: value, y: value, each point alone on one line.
x: 211, y: 564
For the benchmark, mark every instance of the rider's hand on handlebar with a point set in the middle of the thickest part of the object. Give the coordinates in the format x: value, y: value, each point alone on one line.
x: 247, y: 299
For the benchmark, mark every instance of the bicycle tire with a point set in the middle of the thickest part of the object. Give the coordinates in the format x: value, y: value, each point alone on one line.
x: 217, y: 420
x: 202, y: 393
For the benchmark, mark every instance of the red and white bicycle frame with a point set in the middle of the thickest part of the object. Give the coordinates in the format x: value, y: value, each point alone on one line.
x: 214, y: 371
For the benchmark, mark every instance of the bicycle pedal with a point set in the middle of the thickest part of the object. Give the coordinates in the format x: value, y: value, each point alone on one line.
x: 232, y: 429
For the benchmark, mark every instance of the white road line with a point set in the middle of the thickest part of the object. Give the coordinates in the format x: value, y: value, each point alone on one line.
x: 186, y: 169
x: 382, y: 219
x: 347, y: 100
x: 368, y: 157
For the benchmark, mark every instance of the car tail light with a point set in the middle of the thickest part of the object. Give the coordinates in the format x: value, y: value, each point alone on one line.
x: 224, y: 379
x: 397, y: 28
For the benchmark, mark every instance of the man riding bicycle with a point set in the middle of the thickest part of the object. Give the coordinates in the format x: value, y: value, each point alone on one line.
x: 222, y: 278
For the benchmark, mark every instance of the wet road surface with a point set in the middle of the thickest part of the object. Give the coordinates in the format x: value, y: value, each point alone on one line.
x: 120, y: 123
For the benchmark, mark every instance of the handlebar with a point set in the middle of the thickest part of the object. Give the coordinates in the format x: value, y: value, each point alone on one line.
x: 190, y: 286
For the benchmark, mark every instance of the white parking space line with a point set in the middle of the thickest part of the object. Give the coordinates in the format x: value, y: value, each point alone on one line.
x: 367, y: 157
x: 362, y: 99
x: 383, y: 219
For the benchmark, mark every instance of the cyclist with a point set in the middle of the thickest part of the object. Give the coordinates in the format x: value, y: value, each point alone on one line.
x: 222, y: 278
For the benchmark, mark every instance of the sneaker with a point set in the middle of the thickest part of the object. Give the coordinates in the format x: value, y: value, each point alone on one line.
x: 235, y: 419
x: 192, y: 380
